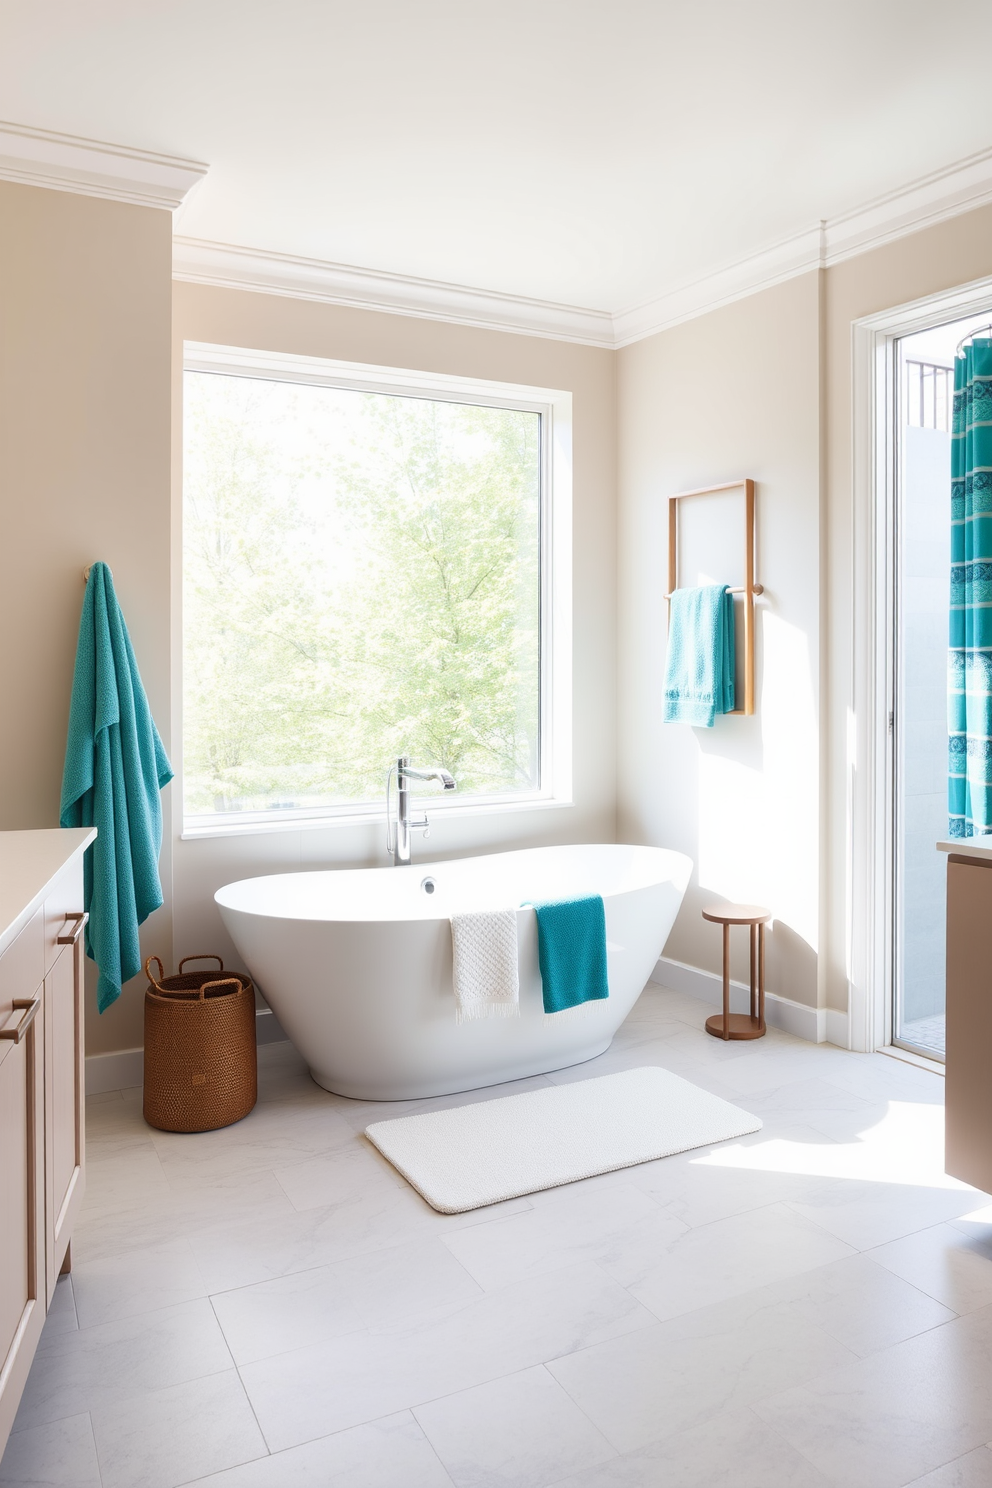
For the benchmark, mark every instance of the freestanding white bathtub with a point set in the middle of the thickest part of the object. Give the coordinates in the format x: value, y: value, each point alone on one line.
x: 356, y: 963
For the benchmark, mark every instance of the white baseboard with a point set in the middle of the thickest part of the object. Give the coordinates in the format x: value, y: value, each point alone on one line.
x: 817, y: 1025
x: 838, y: 1028
x: 126, y: 1067
x: 117, y: 1071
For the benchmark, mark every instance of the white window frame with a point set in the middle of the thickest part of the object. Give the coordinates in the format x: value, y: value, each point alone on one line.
x: 871, y: 746
x: 555, y: 408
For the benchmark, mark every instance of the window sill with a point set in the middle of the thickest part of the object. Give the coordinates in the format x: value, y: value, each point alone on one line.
x: 364, y: 817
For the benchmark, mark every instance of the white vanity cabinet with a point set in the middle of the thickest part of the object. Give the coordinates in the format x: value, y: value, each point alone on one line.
x: 41, y: 1085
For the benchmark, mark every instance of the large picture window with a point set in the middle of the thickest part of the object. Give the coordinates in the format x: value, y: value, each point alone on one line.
x: 365, y: 574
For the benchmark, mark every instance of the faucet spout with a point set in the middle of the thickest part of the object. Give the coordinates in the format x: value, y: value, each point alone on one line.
x: 398, y: 843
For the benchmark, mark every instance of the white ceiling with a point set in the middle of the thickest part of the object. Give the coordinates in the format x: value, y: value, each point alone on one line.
x: 596, y: 153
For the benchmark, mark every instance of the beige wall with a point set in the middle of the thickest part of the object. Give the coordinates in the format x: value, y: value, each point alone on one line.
x: 84, y: 474
x: 732, y: 394
x: 275, y: 323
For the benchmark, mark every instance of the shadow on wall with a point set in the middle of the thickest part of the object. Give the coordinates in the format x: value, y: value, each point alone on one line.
x: 756, y: 788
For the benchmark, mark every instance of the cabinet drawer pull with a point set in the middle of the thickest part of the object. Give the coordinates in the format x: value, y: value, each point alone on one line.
x: 31, y: 1004
x: 69, y: 937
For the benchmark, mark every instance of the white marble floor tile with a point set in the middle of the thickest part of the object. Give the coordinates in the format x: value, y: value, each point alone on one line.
x: 228, y: 1196
x: 116, y: 1127
x: 124, y: 1178
x: 648, y: 1029
x: 62, y: 1317
x: 290, y: 1312
x: 406, y: 1283
x: 699, y: 1192
x: 60, y: 1454
x: 855, y: 1302
x: 682, y: 1373
x: 803, y: 1099
x: 101, y: 1098
x: 521, y: 1431
x: 378, y: 1217
x: 724, y: 1259
x: 361, y: 1113
x: 944, y: 1262
x: 388, y: 1289
x: 898, y: 1414
x: 627, y: 1054
x: 973, y: 1470
x: 141, y: 1225
x: 362, y: 1376
x: 701, y: 1052
x: 137, y: 1281
x: 734, y: 1450
x: 322, y: 1181
x: 109, y: 1364
x: 756, y: 1071
x: 866, y: 1215
x: 877, y: 1077
x: 179, y: 1212
x: 167, y: 1436
x: 568, y: 1226
x: 391, y: 1453
x: 272, y: 1135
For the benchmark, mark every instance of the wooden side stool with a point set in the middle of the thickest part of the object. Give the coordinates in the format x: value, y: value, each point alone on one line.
x: 728, y: 1025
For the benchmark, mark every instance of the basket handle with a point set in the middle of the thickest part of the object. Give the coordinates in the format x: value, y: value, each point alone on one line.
x: 148, y: 972
x: 207, y: 956
x: 227, y: 982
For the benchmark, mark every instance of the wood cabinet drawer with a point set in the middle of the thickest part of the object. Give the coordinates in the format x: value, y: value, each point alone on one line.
x: 22, y: 965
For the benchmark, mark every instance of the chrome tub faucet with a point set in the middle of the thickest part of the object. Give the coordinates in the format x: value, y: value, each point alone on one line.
x: 398, y: 839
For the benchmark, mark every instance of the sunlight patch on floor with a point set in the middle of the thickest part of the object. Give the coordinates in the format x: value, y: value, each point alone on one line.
x: 906, y: 1147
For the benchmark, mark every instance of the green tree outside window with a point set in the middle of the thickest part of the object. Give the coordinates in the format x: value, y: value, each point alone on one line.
x: 361, y: 579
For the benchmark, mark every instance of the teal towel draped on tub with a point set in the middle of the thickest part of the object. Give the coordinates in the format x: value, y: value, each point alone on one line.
x: 699, y: 666
x: 115, y: 766
x: 571, y: 948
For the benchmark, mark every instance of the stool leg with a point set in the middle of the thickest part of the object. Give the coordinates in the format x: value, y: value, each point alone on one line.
x: 726, y: 981
x: 754, y: 971
x: 761, y: 977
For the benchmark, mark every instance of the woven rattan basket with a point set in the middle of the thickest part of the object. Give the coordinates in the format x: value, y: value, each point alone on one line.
x: 201, y: 1070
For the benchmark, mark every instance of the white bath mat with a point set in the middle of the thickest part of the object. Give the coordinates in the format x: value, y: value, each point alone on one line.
x: 468, y: 1156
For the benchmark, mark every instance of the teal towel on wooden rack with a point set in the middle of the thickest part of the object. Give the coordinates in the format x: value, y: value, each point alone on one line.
x: 115, y: 766
x: 571, y: 948
x: 699, y: 667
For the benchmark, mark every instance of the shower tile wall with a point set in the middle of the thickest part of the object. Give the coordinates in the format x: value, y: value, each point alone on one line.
x: 925, y: 569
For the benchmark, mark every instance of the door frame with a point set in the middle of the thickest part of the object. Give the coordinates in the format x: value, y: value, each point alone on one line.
x: 871, y: 751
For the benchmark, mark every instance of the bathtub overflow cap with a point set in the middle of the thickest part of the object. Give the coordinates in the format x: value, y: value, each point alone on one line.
x: 428, y: 885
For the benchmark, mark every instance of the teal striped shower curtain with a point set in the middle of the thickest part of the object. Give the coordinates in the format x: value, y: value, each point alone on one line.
x: 969, y: 681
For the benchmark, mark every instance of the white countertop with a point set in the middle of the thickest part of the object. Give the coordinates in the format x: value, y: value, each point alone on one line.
x: 968, y: 847
x: 30, y: 862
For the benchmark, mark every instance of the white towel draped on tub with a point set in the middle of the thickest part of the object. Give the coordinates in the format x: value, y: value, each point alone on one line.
x: 484, y: 948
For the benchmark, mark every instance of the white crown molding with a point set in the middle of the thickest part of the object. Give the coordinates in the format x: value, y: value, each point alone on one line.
x: 230, y: 267
x: 934, y: 198
x: 931, y: 199
x: 735, y: 281
x: 64, y: 162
